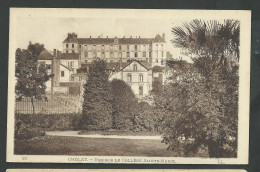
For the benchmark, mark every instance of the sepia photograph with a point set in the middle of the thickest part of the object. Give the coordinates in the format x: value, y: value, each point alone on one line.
x: 129, y: 86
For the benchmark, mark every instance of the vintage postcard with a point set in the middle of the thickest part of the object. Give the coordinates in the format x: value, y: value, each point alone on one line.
x: 121, y: 170
x: 128, y: 86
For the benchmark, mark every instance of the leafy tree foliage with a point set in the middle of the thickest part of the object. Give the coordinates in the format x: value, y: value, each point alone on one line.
x: 125, y: 105
x: 97, y: 103
x: 31, y: 77
x: 200, y: 108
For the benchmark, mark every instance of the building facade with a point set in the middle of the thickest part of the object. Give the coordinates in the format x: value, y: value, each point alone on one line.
x: 150, y: 50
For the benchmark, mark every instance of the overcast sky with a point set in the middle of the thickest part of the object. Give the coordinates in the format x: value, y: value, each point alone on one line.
x: 52, y: 31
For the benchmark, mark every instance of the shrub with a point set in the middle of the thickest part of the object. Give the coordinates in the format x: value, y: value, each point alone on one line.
x: 28, y: 132
x: 48, y: 121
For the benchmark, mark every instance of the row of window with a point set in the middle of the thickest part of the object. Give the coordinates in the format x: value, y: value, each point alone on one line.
x: 111, y: 46
x: 86, y: 54
x: 129, y: 78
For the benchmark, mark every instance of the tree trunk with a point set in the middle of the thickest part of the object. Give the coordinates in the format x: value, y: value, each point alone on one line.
x: 32, y: 105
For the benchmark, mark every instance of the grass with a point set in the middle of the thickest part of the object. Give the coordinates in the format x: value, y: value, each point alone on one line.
x: 55, y: 145
x: 120, y: 133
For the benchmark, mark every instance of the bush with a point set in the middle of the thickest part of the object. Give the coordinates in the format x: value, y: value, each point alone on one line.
x: 48, y: 121
x: 28, y: 133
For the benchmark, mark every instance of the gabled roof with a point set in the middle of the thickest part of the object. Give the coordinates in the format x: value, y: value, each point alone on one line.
x: 45, y: 55
x: 157, y: 69
x: 144, y: 64
x: 65, y: 67
x: 68, y: 56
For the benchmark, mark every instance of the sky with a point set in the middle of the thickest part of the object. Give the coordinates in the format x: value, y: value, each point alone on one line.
x: 51, y: 31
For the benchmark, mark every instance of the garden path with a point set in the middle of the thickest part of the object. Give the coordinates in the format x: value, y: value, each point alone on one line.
x: 75, y: 134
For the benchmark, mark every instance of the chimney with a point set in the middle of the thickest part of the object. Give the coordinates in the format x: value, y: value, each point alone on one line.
x: 54, y: 53
x: 90, y: 36
x: 163, y: 36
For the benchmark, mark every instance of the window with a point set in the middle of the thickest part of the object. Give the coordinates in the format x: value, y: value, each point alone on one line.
x: 62, y: 73
x: 156, y: 60
x: 94, y: 47
x: 67, y: 51
x: 86, y: 46
x: 127, y: 54
x: 67, y: 45
x: 140, y: 90
x: 162, y: 53
x: 72, y: 78
x: 144, y: 47
x: 120, y: 55
x: 120, y: 47
x: 111, y: 47
x: 136, y: 54
x: 73, y: 51
x: 150, y: 54
x: 161, y: 61
x: 127, y: 47
x: 72, y: 45
x: 86, y: 61
x: 135, y: 47
x: 129, y: 78
x: 156, y: 53
x: 94, y: 54
x: 79, y: 46
x: 72, y: 64
x: 103, y: 47
x: 111, y: 55
x: 103, y: 54
x: 86, y: 54
x: 141, y: 78
x: 80, y: 78
x: 135, y: 67
x: 150, y: 46
x: 144, y: 54
x: 162, y: 46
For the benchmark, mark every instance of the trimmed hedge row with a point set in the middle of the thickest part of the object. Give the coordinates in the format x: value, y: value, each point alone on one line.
x: 29, y: 126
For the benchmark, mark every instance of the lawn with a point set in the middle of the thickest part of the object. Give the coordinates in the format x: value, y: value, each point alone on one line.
x: 57, y: 145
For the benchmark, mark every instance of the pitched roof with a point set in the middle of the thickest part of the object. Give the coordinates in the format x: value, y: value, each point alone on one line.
x: 68, y: 56
x: 144, y: 64
x: 45, y: 55
x: 71, y: 38
x: 65, y: 67
x: 157, y: 69
x: 120, y: 40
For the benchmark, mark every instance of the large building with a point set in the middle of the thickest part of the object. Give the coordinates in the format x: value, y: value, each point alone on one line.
x: 139, y: 62
x: 150, y: 50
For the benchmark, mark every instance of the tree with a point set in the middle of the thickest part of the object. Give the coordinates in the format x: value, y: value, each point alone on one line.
x: 125, y: 105
x: 97, y: 98
x: 31, y: 77
x: 202, y: 106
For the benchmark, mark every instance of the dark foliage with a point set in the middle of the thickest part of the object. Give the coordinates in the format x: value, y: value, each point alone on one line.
x: 125, y: 105
x: 31, y: 77
x: 97, y: 104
